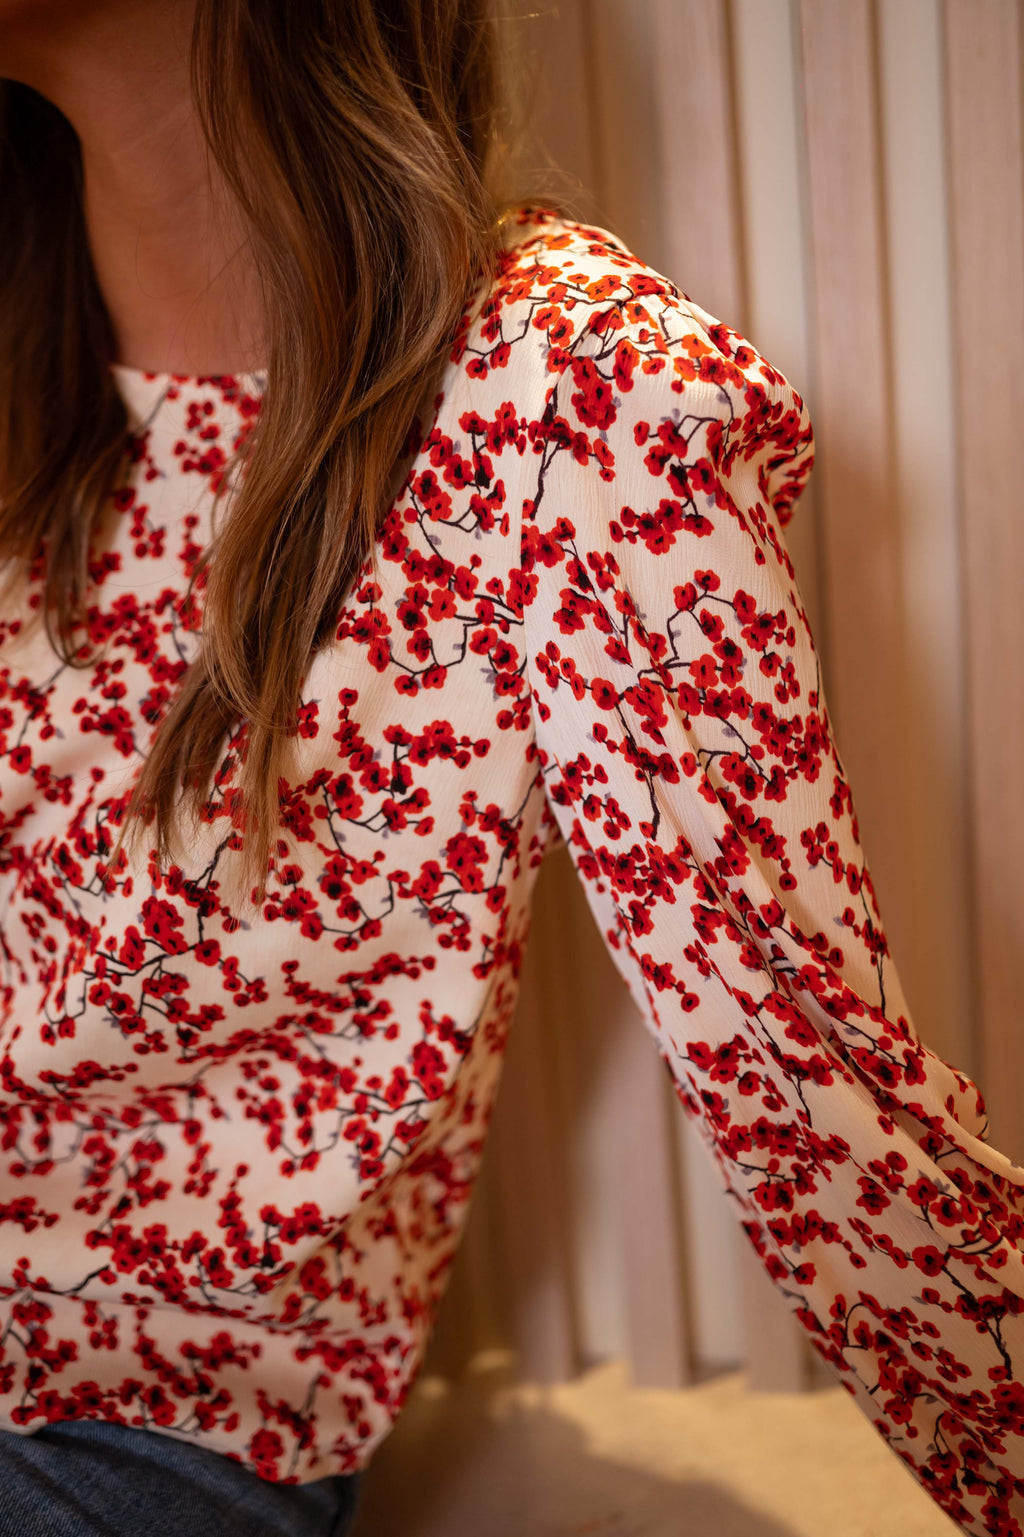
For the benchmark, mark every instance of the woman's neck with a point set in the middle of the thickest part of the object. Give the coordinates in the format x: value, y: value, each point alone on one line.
x: 168, y: 248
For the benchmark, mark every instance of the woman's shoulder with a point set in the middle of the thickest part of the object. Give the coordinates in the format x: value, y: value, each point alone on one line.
x: 568, y: 297
x: 552, y: 276
x: 552, y: 247
x: 564, y: 274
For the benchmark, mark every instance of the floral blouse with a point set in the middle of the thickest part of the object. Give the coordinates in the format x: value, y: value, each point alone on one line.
x: 237, y: 1146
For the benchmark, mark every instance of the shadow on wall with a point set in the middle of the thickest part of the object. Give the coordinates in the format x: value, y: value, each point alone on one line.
x: 463, y: 1463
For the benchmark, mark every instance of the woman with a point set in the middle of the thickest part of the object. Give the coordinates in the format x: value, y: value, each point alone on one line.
x: 365, y: 533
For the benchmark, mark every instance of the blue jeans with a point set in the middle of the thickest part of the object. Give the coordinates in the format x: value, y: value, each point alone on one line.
x: 87, y: 1478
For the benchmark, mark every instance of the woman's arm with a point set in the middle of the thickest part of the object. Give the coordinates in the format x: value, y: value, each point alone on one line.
x: 689, y: 759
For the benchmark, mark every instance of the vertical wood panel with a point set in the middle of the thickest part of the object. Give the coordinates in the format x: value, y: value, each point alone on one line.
x: 861, y: 637
x: 533, y: 1268
x: 697, y: 154
x: 983, y: 64
x: 936, y: 953
x: 558, y: 143
x: 620, y: 43
x: 777, y: 1354
x: 649, y: 1204
x: 475, y: 1312
x: 863, y: 643
x: 590, y: 1104
x: 771, y: 161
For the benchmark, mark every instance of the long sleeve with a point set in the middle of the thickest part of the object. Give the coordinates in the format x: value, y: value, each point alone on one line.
x: 689, y: 760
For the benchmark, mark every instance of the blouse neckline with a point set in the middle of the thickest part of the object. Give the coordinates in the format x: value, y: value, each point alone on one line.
x: 143, y: 391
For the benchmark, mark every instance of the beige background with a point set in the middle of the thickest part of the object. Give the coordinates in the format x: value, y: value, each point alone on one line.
x: 842, y: 181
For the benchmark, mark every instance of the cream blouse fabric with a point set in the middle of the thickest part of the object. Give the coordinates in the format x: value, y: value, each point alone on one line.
x: 238, y: 1144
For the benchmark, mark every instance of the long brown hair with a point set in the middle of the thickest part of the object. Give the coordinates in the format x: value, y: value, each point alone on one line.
x: 363, y: 142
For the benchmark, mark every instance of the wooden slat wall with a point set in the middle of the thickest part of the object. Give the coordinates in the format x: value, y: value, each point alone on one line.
x: 932, y: 940
x: 983, y: 73
x: 845, y: 183
x: 863, y: 640
x: 692, y: 84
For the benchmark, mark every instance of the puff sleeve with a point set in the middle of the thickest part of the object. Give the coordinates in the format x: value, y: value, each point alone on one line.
x: 689, y: 761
